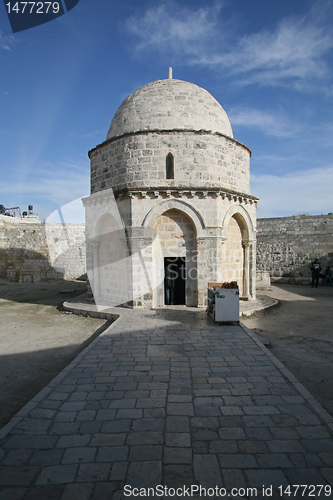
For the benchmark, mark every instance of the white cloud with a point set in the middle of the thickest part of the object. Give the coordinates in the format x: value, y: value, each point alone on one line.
x: 168, y: 28
x: 6, y: 41
x: 275, y: 124
x: 295, y: 193
x: 293, y: 53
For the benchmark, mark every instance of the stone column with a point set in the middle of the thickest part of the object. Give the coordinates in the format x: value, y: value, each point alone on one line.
x: 253, y: 268
x: 246, y: 277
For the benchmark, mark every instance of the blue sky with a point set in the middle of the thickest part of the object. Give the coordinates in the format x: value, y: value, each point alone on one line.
x: 269, y: 64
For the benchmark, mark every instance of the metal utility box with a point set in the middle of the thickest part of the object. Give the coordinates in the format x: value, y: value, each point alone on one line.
x: 223, y: 303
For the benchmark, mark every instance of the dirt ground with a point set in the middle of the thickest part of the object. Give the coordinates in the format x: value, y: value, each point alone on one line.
x: 37, y: 340
x: 300, y: 332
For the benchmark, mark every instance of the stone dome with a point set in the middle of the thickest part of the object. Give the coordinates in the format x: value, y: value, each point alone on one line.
x: 170, y: 105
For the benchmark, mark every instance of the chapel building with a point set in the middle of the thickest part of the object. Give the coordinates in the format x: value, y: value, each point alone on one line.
x: 170, y: 207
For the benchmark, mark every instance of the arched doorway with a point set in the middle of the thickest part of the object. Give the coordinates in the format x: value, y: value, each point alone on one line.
x: 174, y: 260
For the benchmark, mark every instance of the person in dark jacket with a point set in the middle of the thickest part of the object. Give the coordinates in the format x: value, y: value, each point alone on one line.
x: 315, y: 269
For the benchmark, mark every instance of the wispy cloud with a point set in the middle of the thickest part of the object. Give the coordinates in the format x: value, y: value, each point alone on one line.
x: 6, y: 41
x: 169, y: 28
x: 294, y: 193
x: 293, y: 53
x: 274, y: 124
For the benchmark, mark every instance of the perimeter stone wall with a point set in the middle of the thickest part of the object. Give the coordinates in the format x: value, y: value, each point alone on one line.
x: 38, y: 252
x: 287, y: 245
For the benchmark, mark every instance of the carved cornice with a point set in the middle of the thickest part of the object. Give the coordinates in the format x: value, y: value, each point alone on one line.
x: 203, y: 193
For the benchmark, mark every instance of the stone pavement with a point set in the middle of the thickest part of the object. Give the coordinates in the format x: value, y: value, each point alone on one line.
x: 167, y: 397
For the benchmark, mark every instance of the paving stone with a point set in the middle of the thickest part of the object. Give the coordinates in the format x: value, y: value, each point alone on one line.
x: 103, y: 439
x: 206, y: 470
x: 316, y: 445
x: 257, y: 433
x: 231, y: 433
x: 145, y: 452
x: 77, y: 492
x: 72, y: 441
x: 149, y: 424
x: 237, y: 460
x: 13, y: 493
x: 93, y: 472
x: 146, y: 437
x: 118, y: 471
x: 106, y: 490
x: 252, y: 446
x: 273, y: 460
x: 266, y: 477
x: 232, y: 410
x: 19, y: 475
x: 177, y: 455
x: 79, y: 455
x: 63, y: 428
x: 106, y: 414
x: 16, y: 457
x: 112, y: 454
x: 48, y: 457
x: 128, y: 413
x: 185, y: 409
x: 179, y: 476
x: 223, y: 446
x: 144, y: 474
x: 205, y: 422
x: 313, y: 432
x: 233, y: 478
x: 33, y: 442
x: 327, y: 457
x: 304, y: 476
x: 312, y: 460
x: 51, y: 492
x: 178, y: 439
x: 286, y: 446
x: 57, y: 474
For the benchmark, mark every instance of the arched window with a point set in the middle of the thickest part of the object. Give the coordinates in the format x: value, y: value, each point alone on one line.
x: 170, y: 166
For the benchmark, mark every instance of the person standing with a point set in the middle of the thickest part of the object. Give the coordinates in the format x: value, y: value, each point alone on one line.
x: 315, y: 270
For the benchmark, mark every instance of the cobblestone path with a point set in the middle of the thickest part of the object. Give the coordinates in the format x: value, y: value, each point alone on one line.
x: 168, y: 398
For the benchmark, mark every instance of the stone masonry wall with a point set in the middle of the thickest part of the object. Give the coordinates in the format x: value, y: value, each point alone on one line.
x: 200, y: 160
x: 287, y: 245
x: 38, y: 252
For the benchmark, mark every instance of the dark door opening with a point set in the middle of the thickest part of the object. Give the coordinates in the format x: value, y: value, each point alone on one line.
x: 174, y: 281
